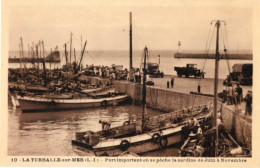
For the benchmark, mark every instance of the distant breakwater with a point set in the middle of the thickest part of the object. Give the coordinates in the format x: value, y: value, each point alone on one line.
x: 212, y: 56
x: 53, y: 57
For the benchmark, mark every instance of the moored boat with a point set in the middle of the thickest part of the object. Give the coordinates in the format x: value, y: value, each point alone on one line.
x: 53, y: 103
x: 128, y: 137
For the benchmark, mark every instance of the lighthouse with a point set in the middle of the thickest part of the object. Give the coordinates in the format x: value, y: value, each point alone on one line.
x: 179, y: 47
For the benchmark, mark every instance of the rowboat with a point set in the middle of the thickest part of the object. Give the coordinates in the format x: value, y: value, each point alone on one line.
x: 52, y: 103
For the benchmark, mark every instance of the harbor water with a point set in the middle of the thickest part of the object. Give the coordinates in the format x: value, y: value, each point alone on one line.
x: 50, y: 133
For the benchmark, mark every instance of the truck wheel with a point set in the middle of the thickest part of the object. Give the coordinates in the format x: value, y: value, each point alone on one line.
x: 186, y: 75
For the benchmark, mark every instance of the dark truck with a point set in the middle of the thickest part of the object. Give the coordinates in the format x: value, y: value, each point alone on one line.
x: 242, y: 74
x: 153, y: 70
x: 189, y: 70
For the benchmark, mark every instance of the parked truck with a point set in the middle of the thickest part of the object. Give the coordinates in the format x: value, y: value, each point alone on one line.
x: 153, y: 70
x: 241, y: 73
x: 189, y: 70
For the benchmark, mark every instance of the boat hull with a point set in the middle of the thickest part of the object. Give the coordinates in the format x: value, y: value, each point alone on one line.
x: 32, y: 104
x: 141, y: 147
x: 157, y: 138
x: 137, y: 144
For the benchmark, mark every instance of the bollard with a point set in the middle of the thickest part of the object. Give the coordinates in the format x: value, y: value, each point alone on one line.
x: 168, y: 84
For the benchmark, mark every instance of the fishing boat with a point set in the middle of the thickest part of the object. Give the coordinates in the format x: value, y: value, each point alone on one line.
x: 151, y: 133
x: 129, y: 137
x: 36, y: 103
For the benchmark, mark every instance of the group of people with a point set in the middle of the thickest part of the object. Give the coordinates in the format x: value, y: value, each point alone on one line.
x: 114, y: 72
x: 172, y: 82
x: 235, y: 96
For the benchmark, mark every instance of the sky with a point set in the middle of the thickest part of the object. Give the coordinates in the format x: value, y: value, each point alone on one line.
x: 107, y: 27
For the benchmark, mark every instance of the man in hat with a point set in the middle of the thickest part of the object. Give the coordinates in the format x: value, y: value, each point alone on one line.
x: 239, y: 91
x: 248, y: 100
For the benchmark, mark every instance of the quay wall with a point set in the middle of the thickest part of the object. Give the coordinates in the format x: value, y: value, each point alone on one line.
x: 238, y: 124
x: 159, y: 98
x: 167, y: 100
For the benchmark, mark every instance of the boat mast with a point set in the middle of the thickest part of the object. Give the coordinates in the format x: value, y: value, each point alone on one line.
x: 20, y: 58
x: 37, y: 57
x: 70, y: 45
x: 82, y: 53
x: 43, y: 52
x: 33, y: 55
x: 130, y: 47
x: 44, y: 73
x: 144, y: 89
x: 29, y: 55
x: 80, y: 44
x: 74, y: 55
x: 65, y: 45
x: 216, y: 87
x: 22, y: 52
x: 40, y: 49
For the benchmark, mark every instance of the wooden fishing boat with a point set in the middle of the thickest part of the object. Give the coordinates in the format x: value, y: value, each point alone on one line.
x: 128, y: 137
x: 53, y: 103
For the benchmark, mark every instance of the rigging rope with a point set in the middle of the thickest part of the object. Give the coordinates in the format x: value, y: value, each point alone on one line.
x: 226, y: 52
x: 208, y: 38
x: 207, y: 54
x: 228, y: 64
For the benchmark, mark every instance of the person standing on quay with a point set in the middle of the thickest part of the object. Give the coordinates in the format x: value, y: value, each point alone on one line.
x: 198, y: 88
x: 172, y: 81
x: 239, y: 91
x: 248, y: 99
x: 230, y: 95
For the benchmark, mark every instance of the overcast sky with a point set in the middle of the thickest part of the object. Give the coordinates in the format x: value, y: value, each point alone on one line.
x: 107, y: 27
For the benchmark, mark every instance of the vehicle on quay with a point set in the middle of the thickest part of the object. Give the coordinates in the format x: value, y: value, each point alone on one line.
x: 241, y: 73
x: 189, y: 70
x: 154, y: 71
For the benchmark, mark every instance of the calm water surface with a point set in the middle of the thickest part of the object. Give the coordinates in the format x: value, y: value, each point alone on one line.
x: 50, y: 133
